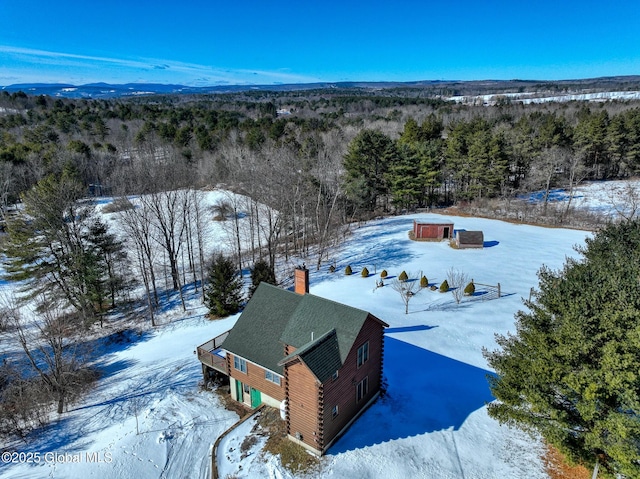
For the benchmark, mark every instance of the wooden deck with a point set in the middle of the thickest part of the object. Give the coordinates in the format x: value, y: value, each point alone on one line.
x: 207, y: 353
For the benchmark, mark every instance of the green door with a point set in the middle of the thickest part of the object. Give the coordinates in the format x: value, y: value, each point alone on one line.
x: 256, y: 399
x: 238, y: 390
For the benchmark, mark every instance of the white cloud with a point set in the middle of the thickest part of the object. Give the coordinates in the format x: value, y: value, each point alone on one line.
x: 30, y: 65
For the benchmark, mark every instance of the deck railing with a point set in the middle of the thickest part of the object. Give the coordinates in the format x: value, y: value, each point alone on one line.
x: 207, y: 355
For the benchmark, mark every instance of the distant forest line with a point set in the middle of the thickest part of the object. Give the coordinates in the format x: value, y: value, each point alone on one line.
x: 361, y: 152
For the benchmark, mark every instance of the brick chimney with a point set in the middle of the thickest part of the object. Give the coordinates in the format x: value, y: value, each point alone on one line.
x: 301, y: 280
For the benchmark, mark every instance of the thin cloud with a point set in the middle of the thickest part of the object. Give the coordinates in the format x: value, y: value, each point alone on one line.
x: 99, y: 68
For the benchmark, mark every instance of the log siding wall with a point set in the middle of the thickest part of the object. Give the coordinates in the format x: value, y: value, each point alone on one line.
x: 303, y: 404
x: 310, y: 404
x: 342, y: 391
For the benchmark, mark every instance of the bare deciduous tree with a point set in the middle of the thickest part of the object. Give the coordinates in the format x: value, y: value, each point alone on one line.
x: 50, y: 343
x: 136, y: 222
x: 201, y: 230
x: 169, y: 212
x: 552, y: 161
x: 231, y: 207
x: 457, y: 281
x: 22, y: 404
x: 406, y: 289
x: 625, y: 199
x: 576, y: 171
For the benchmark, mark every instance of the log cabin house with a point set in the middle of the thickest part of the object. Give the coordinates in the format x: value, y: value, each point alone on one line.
x: 318, y: 360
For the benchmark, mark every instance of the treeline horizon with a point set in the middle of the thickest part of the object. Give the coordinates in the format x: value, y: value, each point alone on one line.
x: 424, y: 151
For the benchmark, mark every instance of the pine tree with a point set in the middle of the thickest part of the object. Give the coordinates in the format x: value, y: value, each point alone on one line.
x: 111, y: 256
x: 570, y: 373
x: 223, y: 295
x: 260, y: 273
x: 366, y: 163
x: 57, y: 250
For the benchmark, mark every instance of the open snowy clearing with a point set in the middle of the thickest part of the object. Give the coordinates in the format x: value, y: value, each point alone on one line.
x: 432, y: 423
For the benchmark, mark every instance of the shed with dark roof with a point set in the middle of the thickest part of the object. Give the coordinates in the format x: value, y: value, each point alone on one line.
x: 469, y: 239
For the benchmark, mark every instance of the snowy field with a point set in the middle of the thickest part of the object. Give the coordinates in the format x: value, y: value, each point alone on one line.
x: 148, y: 418
x: 535, y: 97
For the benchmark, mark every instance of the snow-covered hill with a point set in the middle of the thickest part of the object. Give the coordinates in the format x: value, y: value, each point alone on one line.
x: 431, y: 424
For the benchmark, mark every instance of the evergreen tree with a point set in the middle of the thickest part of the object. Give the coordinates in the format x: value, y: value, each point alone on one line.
x: 111, y: 256
x: 469, y: 289
x: 416, y: 172
x: 53, y: 248
x: 405, y: 181
x: 223, y: 294
x: 261, y: 272
x: 369, y: 157
x: 590, y: 142
x: 570, y: 373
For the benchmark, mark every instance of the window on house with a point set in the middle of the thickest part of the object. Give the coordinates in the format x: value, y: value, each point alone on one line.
x: 334, y: 411
x: 335, y: 376
x: 363, y: 354
x: 273, y: 377
x: 362, y: 389
x: 240, y: 364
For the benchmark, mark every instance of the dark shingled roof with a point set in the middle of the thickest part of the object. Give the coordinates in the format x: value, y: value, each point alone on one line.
x: 322, y: 356
x: 470, y: 237
x: 321, y: 330
x: 317, y: 316
x: 256, y: 334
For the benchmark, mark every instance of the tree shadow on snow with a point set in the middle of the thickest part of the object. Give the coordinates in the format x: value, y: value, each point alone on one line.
x: 426, y: 392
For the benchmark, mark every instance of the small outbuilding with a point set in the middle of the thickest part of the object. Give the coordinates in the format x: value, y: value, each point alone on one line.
x: 432, y: 230
x: 469, y: 239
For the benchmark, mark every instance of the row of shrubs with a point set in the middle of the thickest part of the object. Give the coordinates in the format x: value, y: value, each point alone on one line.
x: 424, y: 282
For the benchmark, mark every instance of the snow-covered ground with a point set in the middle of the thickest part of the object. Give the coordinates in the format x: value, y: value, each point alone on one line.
x: 538, y: 97
x: 148, y: 418
x: 610, y: 199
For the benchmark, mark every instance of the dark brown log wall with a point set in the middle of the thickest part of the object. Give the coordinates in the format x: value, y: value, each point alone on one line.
x: 302, y: 404
x: 342, y: 391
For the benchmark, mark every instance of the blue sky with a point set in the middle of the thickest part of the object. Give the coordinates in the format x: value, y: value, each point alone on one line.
x: 197, y: 42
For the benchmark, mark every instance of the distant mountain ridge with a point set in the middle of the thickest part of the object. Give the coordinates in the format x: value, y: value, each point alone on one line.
x: 434, y: 87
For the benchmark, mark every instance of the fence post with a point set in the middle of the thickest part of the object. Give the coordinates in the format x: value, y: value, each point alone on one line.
x: 498, y: 290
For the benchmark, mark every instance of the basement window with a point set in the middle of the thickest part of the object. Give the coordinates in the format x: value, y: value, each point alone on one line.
x: 240, y: 364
